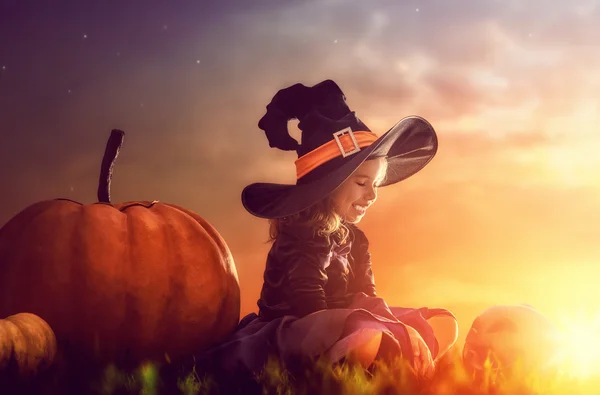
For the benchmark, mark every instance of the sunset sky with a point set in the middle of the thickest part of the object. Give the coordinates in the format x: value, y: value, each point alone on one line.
x: 507, y: 212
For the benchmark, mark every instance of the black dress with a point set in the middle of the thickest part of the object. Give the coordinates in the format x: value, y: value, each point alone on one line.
x: 315, y: 298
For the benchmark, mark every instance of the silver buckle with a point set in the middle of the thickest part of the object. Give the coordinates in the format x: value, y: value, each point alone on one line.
x: 337, y: 135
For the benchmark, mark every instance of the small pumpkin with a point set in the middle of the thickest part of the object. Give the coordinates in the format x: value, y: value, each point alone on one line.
x: 27, y: 343
x: 510, y: 336
x: 120, y: 282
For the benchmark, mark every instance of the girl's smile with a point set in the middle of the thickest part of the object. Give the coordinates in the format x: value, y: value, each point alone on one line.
x: 360, y: 209
x: 353, y: 198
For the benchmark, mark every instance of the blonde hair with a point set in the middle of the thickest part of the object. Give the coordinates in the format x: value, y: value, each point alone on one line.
x: 321, y: 217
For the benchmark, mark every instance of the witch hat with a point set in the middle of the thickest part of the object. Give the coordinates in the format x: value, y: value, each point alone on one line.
x: 334, y: 143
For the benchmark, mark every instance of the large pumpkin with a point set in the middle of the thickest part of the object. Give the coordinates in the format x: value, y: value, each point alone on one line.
x: 120, y: 282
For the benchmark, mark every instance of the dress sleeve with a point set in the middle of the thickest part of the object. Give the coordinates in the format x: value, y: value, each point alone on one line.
x: 364, y: 280
x: 306, y: 258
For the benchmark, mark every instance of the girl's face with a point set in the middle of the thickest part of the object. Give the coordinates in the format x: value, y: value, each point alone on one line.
x: 352, y: 199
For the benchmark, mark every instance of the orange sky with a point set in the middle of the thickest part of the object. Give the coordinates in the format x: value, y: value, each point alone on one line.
x: 507, y: 212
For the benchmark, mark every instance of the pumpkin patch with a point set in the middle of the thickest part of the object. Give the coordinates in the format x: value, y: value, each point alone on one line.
x: 120, y: 282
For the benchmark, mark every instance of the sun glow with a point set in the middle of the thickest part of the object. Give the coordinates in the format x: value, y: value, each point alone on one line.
x: 578, y: 353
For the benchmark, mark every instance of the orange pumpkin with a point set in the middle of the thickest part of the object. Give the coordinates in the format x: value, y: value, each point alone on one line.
x: 27, y: 345
x: 120, y: 282
x: 510, y: 336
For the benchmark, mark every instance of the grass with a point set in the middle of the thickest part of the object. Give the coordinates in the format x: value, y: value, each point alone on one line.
x: 317, y: 377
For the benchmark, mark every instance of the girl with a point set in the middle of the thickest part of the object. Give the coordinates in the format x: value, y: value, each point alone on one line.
x: 319, y: 297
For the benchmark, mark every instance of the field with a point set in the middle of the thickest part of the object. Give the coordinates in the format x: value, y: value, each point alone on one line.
x: 450, y: 377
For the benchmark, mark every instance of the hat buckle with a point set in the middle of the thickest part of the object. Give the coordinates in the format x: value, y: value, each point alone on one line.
x: 338, y: 135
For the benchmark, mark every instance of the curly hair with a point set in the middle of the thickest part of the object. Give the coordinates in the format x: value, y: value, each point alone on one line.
x: 321, y: 217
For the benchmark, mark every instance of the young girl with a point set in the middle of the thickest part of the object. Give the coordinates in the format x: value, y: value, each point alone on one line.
x: 319, y: 298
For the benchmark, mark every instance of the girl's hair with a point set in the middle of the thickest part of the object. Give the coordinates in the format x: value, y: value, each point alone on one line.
x: 321, y: 217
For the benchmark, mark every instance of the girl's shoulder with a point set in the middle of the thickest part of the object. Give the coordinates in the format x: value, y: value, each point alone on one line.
x: 357, y: 233
x: 298, y: 231
x: 302, y: 236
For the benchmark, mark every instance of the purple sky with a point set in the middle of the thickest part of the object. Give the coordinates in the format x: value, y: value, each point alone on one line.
x: 511, y: 87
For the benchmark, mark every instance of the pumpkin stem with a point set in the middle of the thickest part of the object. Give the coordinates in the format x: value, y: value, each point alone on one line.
x: 113, y: 146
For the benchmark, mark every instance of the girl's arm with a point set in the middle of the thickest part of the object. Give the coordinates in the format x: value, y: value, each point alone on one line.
x: 364, y: 280
x: 306, y: 259
x: 365, y: 275
x: 306, y: 281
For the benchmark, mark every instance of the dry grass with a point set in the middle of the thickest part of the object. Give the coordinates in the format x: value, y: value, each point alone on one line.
x: 319, y: 378
x: 450, y: 377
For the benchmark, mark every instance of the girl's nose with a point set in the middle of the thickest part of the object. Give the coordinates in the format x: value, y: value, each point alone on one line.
x: 371, y: 194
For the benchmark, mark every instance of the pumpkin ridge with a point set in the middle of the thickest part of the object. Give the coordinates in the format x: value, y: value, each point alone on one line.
x: 15, y: 276
x: 124, y: 206
x: 151, y: 330
x: 79, y: 280
x: 176, y: 292
x: 131, y: 314
x: 221, y: 244
x: 25, y: 217
x: 11, y: 364
x: 221, y: 257
x: 223, y: 314
x: 68, y: 200
x: 38, y: 340
x: 121, y: 207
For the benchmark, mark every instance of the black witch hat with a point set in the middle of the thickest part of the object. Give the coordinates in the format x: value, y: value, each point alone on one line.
x: 333, y: 145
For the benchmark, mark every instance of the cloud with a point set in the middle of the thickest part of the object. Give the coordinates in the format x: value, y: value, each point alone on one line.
x: 478, y: 64
x: 506, y: 210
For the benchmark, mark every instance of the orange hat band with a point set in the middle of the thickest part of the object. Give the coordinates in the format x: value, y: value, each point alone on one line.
x: 344, y: 143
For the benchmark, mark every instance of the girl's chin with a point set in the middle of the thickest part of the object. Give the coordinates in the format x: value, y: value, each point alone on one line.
x: 354, y: 219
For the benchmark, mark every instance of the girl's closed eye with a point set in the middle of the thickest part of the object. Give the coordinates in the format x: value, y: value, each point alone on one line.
x: 362, y: 184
